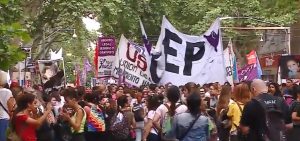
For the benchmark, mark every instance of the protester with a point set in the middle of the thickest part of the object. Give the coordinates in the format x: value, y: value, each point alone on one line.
x: 241, y: 95
x: 191, y: 125
x: 77, y: 121
x: 223, y: 121
x: 123, y: 123
x: 274, y: 89
x: 294, y: 134
x: 24, y: 125
x: 139, y: 110
x: 254, y: 117
x: 7, y: 103
x: 165, y: 112
x: 95, y: 118
x: 151, y: 134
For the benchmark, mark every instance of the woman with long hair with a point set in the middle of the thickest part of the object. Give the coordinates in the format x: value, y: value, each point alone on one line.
x: 77, y: 121
x: 191, y: 125
x: 123, y: 115
x: 241, y: 95
x: 24, y: 124
x: 221, y: 112
x: 152, y: 134
x: 274, y: 89
x: 170, y: 108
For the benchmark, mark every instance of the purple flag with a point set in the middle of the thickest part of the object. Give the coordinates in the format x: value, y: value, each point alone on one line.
x: 248, y: 73
x: 87, y: 65
x: 147, y: 43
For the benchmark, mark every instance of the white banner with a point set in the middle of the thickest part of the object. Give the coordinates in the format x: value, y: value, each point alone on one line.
x: 132, y: 63
x: 179, y: 58
x: 106, y: 46
x: 230, y: 64
x: 105, y: 64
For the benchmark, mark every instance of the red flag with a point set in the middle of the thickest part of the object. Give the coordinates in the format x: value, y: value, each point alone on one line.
x: 96, y: 59
x: 251, y: 57
x: 77, y: 82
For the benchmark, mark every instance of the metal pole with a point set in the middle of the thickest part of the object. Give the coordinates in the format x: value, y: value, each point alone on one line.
x: 289, y: 40
x: 25, y: 70
x: 20, y: 81
x: 65, y: 81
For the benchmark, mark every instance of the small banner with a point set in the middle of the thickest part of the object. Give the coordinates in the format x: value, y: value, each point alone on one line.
x: 107, y: 49
x: 290, y: 67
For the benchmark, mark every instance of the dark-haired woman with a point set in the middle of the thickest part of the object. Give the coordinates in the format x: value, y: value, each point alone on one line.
x: 123, y: 113
x: 171, y: 108
x: 294, y: 134
x: 191, y: 125
x: 151, y: 134
x: 274, y: 89
x: 77, y: 121
x: 95, y: 117
x: 24, y: 124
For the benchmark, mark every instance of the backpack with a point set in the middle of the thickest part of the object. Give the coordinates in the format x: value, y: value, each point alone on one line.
x: 138, y: 112
x: 167, y: 120
x: 274, y: 119
x: 119, y: 128
x: 96, y: 120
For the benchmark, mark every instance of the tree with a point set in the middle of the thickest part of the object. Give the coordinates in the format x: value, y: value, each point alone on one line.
x: 53, y: 21
x: 11, y: 33
x: 195, y: 16
x: 191, y: 16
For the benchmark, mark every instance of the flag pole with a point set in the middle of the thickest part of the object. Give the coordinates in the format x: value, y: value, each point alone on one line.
x: 65, y: 82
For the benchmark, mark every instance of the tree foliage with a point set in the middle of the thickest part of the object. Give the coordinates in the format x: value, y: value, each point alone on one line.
x: 11, y: 33
x: 191, y: 16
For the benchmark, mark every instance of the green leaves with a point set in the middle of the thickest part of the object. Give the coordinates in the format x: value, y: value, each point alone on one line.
x: 190, y: 16
x: 12, y: 33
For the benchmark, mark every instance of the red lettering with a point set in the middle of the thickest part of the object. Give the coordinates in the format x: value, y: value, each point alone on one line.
x: 142, y: 63
x: 128, y: 54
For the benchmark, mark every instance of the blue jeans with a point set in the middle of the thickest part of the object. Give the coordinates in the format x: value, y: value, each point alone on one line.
x: 153, y: 137
x: 3, y: 128
x: 139, y: 130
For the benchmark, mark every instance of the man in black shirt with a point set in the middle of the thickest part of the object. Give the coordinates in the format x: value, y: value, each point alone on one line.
x: 253, y: 120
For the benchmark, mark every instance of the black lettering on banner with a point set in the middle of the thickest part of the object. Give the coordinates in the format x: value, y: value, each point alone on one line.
x: 105, y: 64
x: 132, y: 78
x: 153, y: 68
x: 127, y: 65
x: 229, y: 71
x: 171, y: 51
x: 145, y: 83
x: 190, y: 57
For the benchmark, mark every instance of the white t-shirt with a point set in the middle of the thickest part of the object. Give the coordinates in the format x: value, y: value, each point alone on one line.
x: 5, y: 95
x: 150, y: 115
x: 162, y: 110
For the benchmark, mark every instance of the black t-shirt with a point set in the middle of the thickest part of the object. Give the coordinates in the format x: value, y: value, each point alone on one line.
x: 295, y: 107
x: 254, y: 114
x: 254, y: 117
x: 279, y: 101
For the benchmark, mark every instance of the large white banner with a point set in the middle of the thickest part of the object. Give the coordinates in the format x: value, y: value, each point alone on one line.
x: 132, y: 63
x: 179, y: 58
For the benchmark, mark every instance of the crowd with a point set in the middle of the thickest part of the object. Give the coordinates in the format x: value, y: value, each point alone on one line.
x: 248, y: 111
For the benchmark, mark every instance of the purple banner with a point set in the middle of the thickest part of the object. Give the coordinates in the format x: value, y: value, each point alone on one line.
x: 107, y: 46
x: 248, y: 73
